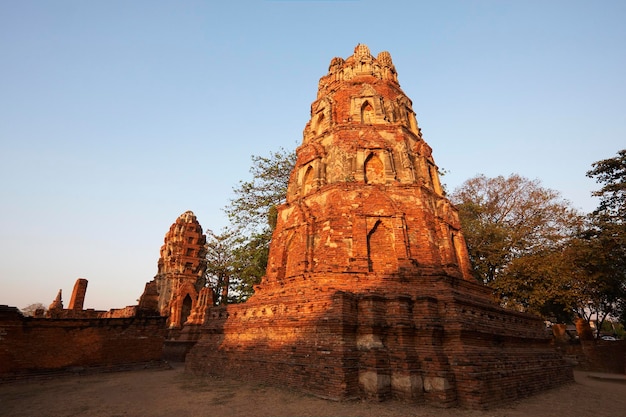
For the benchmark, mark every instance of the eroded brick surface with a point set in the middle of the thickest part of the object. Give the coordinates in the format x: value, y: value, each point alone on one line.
x: 42, y: 344
x: 78, y: 294
x: 368, y: 291
x: 174, y: 292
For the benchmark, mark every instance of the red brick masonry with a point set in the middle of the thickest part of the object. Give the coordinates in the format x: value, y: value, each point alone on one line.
x: 38, y: 344
x: 368, y: 291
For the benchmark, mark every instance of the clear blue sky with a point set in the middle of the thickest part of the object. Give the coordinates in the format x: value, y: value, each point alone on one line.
x: 118, y: 116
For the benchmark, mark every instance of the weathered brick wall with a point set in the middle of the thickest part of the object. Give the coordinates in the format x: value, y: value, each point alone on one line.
x: 36, y: 344
x: 442, y: 342
x: 283, y: 343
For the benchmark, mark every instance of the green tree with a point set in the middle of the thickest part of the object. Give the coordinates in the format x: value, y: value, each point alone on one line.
x: 602, y: 247
x: 240, y: 254
x: 611, y: 173
x: 543, y: 283
x: 221, y: 270
x: 254, y: 202
x: 600, y: 278
x: 235, y: 264
x: 508, y: 219
x: 250, y: 262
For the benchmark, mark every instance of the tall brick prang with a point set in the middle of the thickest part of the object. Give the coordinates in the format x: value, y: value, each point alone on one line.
x: 368, y: 290
x: 180, y: 276
x: 365, y: 196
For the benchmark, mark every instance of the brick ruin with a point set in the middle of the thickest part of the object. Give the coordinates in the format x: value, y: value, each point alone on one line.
x: 35, y: 346
x: 73, y: 340
x: 178, y: 291
x: 75, y: 308
x: 66, y: 338
x: 368, y: 291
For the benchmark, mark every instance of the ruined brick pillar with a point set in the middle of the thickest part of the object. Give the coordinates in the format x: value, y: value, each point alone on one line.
x: 57, y: 304
x: 78, y: 294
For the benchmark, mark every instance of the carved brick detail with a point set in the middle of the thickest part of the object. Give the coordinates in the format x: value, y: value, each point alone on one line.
x: 368, y: 290
x: 180, y: 276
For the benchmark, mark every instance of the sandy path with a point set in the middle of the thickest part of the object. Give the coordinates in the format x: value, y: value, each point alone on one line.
x: 174, y: 393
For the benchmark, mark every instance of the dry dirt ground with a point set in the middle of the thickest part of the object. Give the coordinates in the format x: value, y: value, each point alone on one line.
x: 171, y: 392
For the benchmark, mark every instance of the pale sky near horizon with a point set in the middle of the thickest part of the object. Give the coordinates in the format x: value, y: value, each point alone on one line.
x: 118, y: 116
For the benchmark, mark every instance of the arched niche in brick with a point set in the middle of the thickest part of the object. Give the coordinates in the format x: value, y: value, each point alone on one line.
x: 434, y: 177
x: 290, y: 257
x: 321, y: 116
x: 186, y: 309
x: 374, y: 170
x: 296, y: 253
x: 367, y: 107
x: 381, y: 248
x: 319, y: 123
x: 308, y: 181
x: 183, y: 303
x: 367, y: 113
x: 459, y: 248
x: 374, y: 166
x: 310, y: 176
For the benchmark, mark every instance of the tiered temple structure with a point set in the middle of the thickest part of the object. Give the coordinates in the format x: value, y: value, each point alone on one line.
x: 368, y: 290
x: 175, y: 290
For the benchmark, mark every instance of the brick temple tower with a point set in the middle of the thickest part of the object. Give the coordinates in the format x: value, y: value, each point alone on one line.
x: 365, y: 197
x: 368, y: 290
x: 180, y: 276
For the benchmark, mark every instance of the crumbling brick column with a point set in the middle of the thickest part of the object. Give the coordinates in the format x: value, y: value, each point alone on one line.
x: 78, y: 294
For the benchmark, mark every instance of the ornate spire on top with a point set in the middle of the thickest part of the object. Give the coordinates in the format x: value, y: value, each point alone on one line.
x: 359, y: 92
x: 384, y: 58
x: 361, y: 63
x: 361, y: 51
